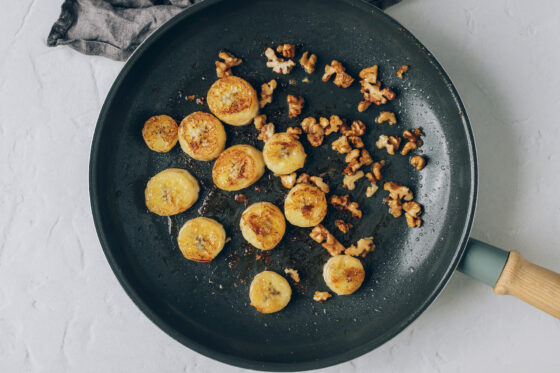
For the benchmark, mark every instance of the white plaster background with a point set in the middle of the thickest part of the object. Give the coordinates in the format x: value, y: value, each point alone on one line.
x: 61, y: 308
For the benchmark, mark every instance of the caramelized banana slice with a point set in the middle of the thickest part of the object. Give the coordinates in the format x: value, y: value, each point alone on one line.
x: 283, y: 154
x: 305, y: 205
x: 238, y: 167
x: 202, y: 136
x: 160, y: 133
x: 201, y: 239
x: 171, y: 192
x: 233, y: 100
x: 263, y: 225
x: 269, y: 292
x: 343, y: 274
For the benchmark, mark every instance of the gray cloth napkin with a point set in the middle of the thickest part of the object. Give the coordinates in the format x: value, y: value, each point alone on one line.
x: 114, y: 28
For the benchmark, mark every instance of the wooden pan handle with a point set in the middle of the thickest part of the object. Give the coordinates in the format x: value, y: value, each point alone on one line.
x: 531, y: 283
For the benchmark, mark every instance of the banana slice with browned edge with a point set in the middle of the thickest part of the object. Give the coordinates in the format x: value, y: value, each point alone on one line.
x: 233, y: 100
x: 238, y: 167
x: 202, y: 136
x: 263, y: 225
x: 160, y: 133
x: 269, y: 292
x: 343, y: 274
x: 201, y: 239
x: 305, y: 205
x: 283, y: 154
x: 171, y: 192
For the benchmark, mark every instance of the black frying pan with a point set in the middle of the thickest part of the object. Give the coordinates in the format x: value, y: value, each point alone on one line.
x: 206, y: 306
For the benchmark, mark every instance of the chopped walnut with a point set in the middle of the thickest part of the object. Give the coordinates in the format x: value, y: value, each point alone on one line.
x: 295, y: 132
x: 352, y: 156
x: 200, y: 101
x: 362, y: 247
x: 288, y: 181
x: 240, y: 197
x: 191, y: 97
x: 376, y: 169
x: 314, y: 131
x: 390, y: 143
x: 349, y: 181
x: 267, y: 90
x: 321, y: 235
x: 342, y: 79
x: 412, y: 214
x: 355, y: 163
x: 365, y: 158
x: 335, y: 124
x: 418, y: 162
x: 343, y: 226
x: 352, y: 167
x: 321, y: 296
x: 303, y: 179
x: 369, y: 74
x: 386, y: 116
x: 357, y: 128
x: 343, y: 203
x: 356, y: 141
x: 295, y: 105
x: 308, y: 62
x: 363, y: 106
x: 341, y: 145
x: 374, y: 176
x: 319, y: 183
x: 278, y: 65
x: 370, y: 190
x: 266, y: 129
x: 397, y: 194
x: 414, y: 140
x: 223, y: 69
x: 402, y: 70
x: 293, y: 274
x: 287, y: 50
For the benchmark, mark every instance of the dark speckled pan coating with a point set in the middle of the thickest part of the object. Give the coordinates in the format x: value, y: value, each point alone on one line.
x: 206, y: 306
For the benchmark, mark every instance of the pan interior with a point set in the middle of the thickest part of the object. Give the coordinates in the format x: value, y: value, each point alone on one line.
x: 206, y: 306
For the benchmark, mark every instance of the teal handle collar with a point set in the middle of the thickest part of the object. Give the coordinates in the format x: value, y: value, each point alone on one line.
x: 483, y: 262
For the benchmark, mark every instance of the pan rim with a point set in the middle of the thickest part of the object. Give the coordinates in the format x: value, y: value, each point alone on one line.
x: 205, y: 350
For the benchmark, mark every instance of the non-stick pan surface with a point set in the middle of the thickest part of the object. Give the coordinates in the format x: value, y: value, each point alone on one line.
x: 206, y: 306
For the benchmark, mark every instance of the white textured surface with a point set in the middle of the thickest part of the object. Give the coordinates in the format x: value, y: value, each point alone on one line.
x: 61, y: 308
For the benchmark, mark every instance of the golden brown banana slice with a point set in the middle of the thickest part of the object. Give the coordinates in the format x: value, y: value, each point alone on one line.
x: 343, y: 274
x: 269, y: 292
x: 202, y: 136
x: 238, y: 167
x: 263, y: 225
x: 283, y: 154
x: 201, y: 239
x: 233, y: 100
x: 171, y: 192
x: 305, y: 205
x: 160, y: 133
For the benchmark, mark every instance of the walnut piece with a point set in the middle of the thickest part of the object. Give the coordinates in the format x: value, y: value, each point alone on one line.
x: 287, y: 50
x: 362, y: 247
x: 293, y: 274
x: 314, y: 131
x: 267, y: 90
x: 308, y: 62
x: 370, y: 190
x: 343, y: 226
x: 342, y: 79
x: 321, y: 235
x: 240, y: 197
x: 356, y: 141
x: 223, y: 69
x: 369, y: 74
x: 349, y: 181
x: 357, y: 128
x: 303, y: 179
x: 341, y: 145
x: 355, y: 163
x: 352, y: 156
x: 386, y: 116
x: 374, y: 176
x: 321, y: 296
x: 295, y: 132
x: 335, y: 124
x: 295, y: 105
x: 414, y: 140
x: 412, y: 214
x: 402, y: 70
x: 343, y: 203
x: 266, y: 129
x: 418, y: 162
x: 363, y: 106
x: 288, y: 181
x: 319, y: 183
x: 278, y: 65
x: 390, y: 143
x: 397, y: 194
x: 398, y: 191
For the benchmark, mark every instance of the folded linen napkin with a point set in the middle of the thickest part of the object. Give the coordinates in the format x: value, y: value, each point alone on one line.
x: 114, y: 28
